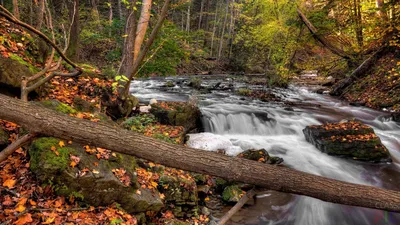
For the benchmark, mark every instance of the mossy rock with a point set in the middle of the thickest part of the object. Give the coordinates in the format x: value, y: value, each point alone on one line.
x: 180, y: 192
x: 187, y: 115
x: 11, y: 73
x: 342, y: 140
x: 58, y: 106
x: 83, y: 105
x: 260, y: 155
x: 97, y: 186
x: 232, y: 193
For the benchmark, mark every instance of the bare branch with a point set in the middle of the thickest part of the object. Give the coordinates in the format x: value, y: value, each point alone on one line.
x: 6, y: 14
x: 15, y: 145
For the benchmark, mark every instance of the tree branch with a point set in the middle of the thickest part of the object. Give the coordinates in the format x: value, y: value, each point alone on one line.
x: 6, y: 14
x: 15, y: 145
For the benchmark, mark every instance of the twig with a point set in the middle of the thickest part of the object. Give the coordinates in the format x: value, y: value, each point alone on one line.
x: 15, y: 145
x: 250, y: 194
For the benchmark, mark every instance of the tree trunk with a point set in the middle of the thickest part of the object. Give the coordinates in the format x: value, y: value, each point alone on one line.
x: 142, y: 27
x: 188, y: 18
x: 47, y: 122
x: 15, y: 8
x: 221, y: 41
x: 129, y: 42
x: 120, y: 10
x: 40, y: 14
x: 321, y: 38
x: 200, y: 14
x: 214, y: 29
x: 73, y: 49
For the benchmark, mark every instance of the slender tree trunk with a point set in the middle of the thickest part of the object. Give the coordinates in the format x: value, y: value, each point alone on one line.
x: 129, y: 42
x: 73, y: 49
x: 95, y: 10
x: 15, y: 8
x: 200, y: 14
x: 40, y: 14
x: 231, y: 28
x: 358, y: 22
x: 214, y: 29
x: 221, y: 41
x: 188, y: 18
x: 110, y: 16
x: 142, y: 27
x: 44, y: 121
x: 120, y: 14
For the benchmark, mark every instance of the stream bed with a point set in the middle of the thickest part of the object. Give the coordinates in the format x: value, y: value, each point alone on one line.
x: 277, y: 127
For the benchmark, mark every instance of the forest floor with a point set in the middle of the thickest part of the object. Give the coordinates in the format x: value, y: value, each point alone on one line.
x: 380, y: 88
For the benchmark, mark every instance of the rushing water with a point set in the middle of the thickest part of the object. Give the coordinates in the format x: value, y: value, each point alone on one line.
x: 236, y: 124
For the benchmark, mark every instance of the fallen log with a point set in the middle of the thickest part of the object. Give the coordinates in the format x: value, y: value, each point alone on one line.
x: 47, y: 122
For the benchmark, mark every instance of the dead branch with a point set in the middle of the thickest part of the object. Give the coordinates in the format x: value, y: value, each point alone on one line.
x: 15, y: 145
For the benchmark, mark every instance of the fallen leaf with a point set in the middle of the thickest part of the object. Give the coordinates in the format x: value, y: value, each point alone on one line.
x: 9, y: 183
x: 24, y: 219
x: 61, y: 143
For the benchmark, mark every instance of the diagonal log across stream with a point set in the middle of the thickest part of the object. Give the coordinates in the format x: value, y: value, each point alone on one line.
x: 50, y: 123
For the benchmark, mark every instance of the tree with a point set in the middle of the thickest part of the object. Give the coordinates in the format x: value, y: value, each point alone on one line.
x: 278, y: 178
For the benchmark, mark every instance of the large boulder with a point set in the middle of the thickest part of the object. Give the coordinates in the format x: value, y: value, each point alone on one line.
x: 349, y: 139
x: 12, y: 71
x: 177, y: 114
x: 180, y: 191
x: 93, y: 175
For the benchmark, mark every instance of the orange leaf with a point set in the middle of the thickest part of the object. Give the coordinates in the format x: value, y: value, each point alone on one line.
x: 53, y: 148
x: 24, y: 219
x: 9, y: 183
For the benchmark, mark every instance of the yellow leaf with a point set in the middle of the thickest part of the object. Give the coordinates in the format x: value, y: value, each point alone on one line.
x: 154, y: 184
x: 20, y: 208
x: 9, y: 183
x: 138, y: 192
x: 95, y: 172
x: 49, y: 220
x: 152, y: 164
x: 61, y: 143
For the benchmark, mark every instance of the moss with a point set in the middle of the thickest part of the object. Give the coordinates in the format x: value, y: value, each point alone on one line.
x: 23, y: 62
x: 59, y: 106
x: 41, y: 150
x: 232, y: 194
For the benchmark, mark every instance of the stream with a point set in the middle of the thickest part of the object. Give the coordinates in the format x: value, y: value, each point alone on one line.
x: 245, y: 123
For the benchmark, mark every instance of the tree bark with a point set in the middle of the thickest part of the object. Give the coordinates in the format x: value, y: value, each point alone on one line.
x: 73, y: 48
x: 40, y: 14
x: 47, y: 122
x: 200, y: 14
x: 15, y: 8
x: 142, y: 27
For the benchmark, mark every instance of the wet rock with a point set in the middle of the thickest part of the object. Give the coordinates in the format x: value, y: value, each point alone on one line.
x: 3, y: 139
x: 357, y: 104
x: 83, y: 105
x: 396, y: 117
x: 350, y: 139
x: 97, y: 185
x: 183, y: 114
x: 260, y: 155
x: 180, y: 192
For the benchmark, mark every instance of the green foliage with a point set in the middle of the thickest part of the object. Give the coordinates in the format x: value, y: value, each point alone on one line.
x: 244, y: 92
x: 196, y: 82
x: 139, y: 123
x: 167, y: 52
